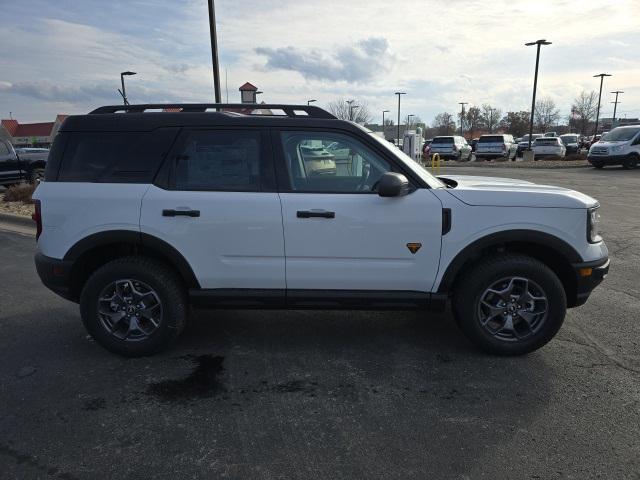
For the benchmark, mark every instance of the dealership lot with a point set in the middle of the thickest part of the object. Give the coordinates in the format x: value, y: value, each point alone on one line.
x: 271, y: 394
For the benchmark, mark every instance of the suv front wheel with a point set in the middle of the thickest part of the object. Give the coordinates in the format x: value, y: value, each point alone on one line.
x: 134, y: 306
x: 510, y: 304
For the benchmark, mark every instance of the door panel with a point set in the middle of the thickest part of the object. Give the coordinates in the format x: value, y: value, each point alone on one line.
x: 235, y: 242
x: 364, y: 247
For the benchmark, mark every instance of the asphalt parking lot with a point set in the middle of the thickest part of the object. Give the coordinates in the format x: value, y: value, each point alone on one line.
x: 329, y: 395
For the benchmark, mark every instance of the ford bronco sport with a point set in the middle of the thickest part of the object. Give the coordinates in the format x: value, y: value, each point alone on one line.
x: 145, y: 213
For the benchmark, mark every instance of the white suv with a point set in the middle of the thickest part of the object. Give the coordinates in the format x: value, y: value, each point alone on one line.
x: 145, y: 213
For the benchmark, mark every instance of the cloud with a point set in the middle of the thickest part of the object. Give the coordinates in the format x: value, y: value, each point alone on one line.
x: 57, y: 93
x: 362, y: 61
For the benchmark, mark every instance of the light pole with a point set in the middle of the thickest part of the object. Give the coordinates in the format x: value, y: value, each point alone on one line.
x: 214, y: 50
x: 615, y: 106
x: 383, y: 126
x: 350, y: 102
x: 123, y: 92
x: 601, y: 75
x: 491, y: 110
x: 462, y: 117
x: 399, y: 95
x: 309, y: 102
x: 538, y: 44
x: 406, y: 128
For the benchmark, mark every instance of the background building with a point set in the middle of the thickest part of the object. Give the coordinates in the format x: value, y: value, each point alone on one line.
x: 30, y: 134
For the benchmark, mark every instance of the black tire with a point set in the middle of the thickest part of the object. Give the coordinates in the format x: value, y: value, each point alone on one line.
x: 475, y: 281
x: 36, y: 174
x: 597, y: 165
x: 161, y: 279
x: 630, y: 162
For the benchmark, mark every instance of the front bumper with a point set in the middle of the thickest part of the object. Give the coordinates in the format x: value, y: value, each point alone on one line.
x: 606, y: 159
x: 55, y: 275
x: 588, y: 276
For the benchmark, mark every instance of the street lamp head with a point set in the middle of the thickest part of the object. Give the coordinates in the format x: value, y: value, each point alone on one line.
x: 602, y: 75
x: 618, y: 91
x: 538, y: 42
x: 128, y: 73
x: 311, y: 101
x: 400, y: 93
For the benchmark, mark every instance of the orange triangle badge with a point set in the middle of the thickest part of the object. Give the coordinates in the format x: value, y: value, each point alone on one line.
x: 414, y: 247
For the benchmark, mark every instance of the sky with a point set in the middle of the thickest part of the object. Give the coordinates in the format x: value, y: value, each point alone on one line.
x: 65, y: 56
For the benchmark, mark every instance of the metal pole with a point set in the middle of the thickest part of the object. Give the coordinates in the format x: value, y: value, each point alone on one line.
x: 533, y: 101
x: 615, y: 106
x: 399, y: 94
x: 462, y: 118
x: 214, y: 50
x: 124, y: 92
x: 601, y: 75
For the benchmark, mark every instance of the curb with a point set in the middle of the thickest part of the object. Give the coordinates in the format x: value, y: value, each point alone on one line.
x: 17, y: 223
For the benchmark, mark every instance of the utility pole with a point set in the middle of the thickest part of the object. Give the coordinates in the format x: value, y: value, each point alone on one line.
x: 214, y: 51
x: 350, y: 109
x: 615, y: 106
x: 601, y: 75
x: 399, y: 95
x: 383, y: 126
x: 462, y: 118
x: 538, y: 43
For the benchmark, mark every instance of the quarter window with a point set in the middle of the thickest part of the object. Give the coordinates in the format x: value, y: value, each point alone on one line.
x: 331, y: 163
x: 224, y: 160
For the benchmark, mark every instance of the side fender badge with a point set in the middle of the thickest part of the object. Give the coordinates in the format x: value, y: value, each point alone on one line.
x: 414, y: 247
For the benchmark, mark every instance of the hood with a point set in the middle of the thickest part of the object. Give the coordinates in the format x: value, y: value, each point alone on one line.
x: 510, y: 192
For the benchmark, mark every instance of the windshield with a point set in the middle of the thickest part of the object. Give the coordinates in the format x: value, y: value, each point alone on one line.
x: 621, y: 134
x: 491, y: 139
x: 569, y: 139
x: 445, y: 140
x: 414, y: 166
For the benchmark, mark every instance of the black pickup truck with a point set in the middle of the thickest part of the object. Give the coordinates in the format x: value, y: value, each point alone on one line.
x: 25, y: 164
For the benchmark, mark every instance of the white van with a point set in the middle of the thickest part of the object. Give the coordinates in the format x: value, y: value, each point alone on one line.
x: 621, y: 146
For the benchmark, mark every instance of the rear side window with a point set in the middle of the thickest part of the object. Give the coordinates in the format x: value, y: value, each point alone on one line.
x: 219, y: 160
x: 114, y: 157
x: 443, y: 140
x: 491, y: 139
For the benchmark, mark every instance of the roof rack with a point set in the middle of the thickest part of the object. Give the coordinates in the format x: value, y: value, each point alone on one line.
x: 257, y: 109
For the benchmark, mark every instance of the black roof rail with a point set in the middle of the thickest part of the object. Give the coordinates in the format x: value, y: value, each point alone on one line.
x: 294, y: 111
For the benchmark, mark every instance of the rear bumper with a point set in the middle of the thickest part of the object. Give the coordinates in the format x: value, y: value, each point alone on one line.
x: 55, y: 274
x: 491, y: 154
x: 606, y: 159
x: 586, y: 283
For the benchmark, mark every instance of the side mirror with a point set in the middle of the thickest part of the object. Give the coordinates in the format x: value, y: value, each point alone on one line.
x: 392, y: 184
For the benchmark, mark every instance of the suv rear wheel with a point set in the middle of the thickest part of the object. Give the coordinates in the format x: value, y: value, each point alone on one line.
x: 510, y: 304
x: 36, y: 174
x: 134, y: 306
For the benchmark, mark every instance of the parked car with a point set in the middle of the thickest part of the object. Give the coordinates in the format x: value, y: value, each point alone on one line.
x: 144, y: 214
x: 523, y: 144
x: 621, y: 146
x: 474, y: 144
x: 33, y: 162
x: 10, y: 168
x: 548, y: 147
x: 494, y: 146
x: 571, y: 142
x: 452, y: 147
x: 19, y: 165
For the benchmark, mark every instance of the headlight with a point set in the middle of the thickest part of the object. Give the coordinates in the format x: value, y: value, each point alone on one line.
x: 593, y: 219
x: 617, y: 148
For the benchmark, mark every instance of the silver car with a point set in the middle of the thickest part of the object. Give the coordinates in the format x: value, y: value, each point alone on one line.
x: 451, y: 147
x: 501, y: 146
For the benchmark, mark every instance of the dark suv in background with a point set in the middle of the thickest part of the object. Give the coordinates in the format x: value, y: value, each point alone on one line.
x: 22, y: 164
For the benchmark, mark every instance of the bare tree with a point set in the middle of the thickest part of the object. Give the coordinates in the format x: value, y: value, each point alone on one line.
x: 583, y: 110
x: 444, y: 124
x: 356, y: 111
x: 516, y: 123
x: 546, y: 115
x: 490, y: 116
x: 473, y: 120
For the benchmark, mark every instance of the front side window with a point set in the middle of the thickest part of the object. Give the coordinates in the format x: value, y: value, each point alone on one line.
x: 331, y: 163
x: 219, y: 160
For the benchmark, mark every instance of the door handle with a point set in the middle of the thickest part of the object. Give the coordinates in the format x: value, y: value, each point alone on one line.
x: 317, y: 214
x: 184, y: 213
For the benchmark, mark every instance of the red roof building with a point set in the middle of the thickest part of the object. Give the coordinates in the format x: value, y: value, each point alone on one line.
x: 30, y: 134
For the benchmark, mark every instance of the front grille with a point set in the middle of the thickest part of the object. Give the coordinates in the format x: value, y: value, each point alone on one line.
x: 599, y: 151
